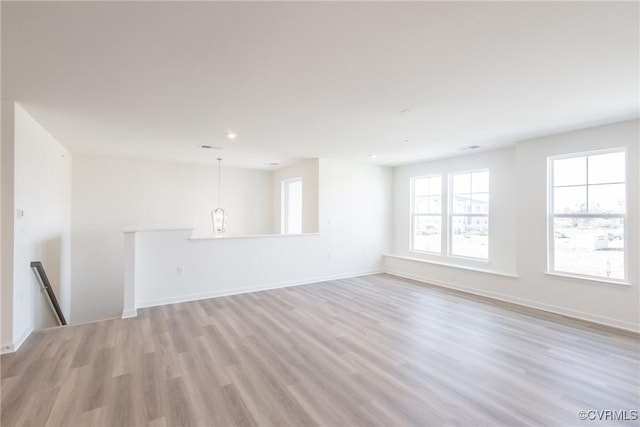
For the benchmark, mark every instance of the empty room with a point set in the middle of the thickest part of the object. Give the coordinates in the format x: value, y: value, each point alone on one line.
x: 320, y: 213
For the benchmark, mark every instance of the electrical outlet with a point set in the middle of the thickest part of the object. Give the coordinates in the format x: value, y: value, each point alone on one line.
x: 180, y: 271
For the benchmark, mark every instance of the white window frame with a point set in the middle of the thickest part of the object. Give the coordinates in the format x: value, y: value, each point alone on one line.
x: 451, y: 214
x: 284, y: 205
x: 413, y: 214
x: 551, y: 215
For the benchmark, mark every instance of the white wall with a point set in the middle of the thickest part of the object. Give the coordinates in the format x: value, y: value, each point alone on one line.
x: 355, y: 211
x: 519, y: 182
x: 308, y: 171
x: 355, y: 218
x: 7, y: 156
x: 502, y: 206
x: 111, y: 194
x: 43, y: 193
x: 619, y: 303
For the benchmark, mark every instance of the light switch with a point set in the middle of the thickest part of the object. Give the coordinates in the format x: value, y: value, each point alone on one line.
x: 19, y: 213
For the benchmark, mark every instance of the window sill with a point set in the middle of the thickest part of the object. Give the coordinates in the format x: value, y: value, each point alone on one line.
x: 461, y: 267
x: 147, y: 230
x: 588, y: 278
x: 254, y: 236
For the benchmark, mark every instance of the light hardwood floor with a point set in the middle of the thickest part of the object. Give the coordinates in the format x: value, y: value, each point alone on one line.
x: 369, y: 351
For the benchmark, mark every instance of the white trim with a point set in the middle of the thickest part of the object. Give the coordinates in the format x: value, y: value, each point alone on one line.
x: 13, y: 347
x: 143, y: 230
x: 451, y: 214
x: 462, y: 267
x: 580, y: 315
x: 256, y: 288
x: 81, y: 323
x: 254, y: 236
x: 129, y: 313
x: 285, y: 201
x: 22, y: 338
x: 595, y: 279
x: 551, y: 215
x: 595, y: 152
x: 413, y: 214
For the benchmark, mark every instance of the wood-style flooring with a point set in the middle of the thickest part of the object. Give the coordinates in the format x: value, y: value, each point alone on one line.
x: 368, y: 351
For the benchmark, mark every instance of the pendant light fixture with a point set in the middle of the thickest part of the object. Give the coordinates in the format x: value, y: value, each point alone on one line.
x: 218, y: 215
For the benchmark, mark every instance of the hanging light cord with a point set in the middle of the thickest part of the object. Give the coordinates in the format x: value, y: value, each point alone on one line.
x: 219, y: 181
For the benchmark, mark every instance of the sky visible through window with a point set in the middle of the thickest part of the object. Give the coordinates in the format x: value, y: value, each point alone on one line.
x: 470, y: 214
x: 427, y: 214
x: 589, y: 208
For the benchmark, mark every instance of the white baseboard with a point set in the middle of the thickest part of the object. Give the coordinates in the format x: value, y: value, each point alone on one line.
x: 21, y: 339
x: 257, y: 288
x: 6, y: 348
x: 16, y: 344
x: 129, y: 313
x: 580, y: 315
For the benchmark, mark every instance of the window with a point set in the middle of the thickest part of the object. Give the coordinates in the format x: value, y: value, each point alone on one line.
x: 587, y: 214
x: 467, y: 219
x: 292, y: 206
x: 469, y: 214
x: 426, y: 214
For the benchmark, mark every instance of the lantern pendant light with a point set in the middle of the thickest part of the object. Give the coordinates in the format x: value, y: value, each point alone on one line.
x: 218, y: 215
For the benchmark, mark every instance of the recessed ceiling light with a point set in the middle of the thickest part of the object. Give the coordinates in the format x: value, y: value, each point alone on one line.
x: 273, y: 164
x: 372, y: 156
x: 405, y: 111
x: 232, y: 135
x: 210, y: 147
x: 405, y: 141
x: 470, y: 147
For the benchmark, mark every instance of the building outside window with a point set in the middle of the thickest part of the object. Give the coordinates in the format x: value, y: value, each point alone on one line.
x: 426, y: 214
x: 588, y: 214
x: 469, y: 214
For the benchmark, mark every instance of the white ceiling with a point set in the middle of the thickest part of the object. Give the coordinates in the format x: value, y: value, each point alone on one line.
x: 297, y: 80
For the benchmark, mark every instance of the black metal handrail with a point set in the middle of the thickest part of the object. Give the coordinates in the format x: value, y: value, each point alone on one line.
x: 39, y: 268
